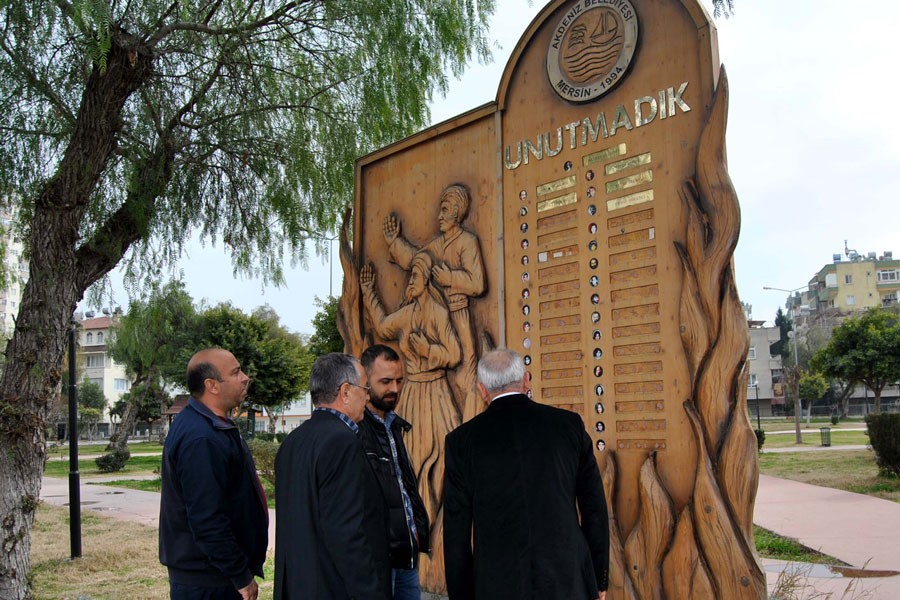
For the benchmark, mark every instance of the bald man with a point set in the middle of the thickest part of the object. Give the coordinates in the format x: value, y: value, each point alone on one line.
x: 213, y: 520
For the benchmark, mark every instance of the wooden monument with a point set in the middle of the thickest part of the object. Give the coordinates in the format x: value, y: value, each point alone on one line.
x: 585, y: 219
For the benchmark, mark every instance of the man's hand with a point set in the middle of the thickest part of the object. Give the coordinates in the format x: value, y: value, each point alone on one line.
x: 367, y: 276
x: 251, y: 592
x: 441, y: 274
x: 391, y: 228
x: 419, y: 344
x: 602, y: 596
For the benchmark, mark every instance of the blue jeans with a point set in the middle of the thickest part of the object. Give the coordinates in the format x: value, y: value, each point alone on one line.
x: 405, y: 584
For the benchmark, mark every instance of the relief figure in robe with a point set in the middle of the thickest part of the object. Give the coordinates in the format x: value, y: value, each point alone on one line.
x: 429, y: 346
x: 459, y: 270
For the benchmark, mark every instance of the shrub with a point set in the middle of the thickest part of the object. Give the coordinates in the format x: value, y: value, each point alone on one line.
x: 884, y: 437
x: 760, y: 438
x: 835, y: 418
x: 281, y: 436
x: 264, y: 456
x: 264, y: 436
x: 112, y: 462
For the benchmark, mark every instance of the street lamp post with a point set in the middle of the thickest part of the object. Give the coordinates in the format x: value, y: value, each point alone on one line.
x: 793, y: 335
x: 758, y: 420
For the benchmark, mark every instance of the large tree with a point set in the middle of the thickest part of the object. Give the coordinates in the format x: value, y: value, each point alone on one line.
x: 129, y: 125
x: 865, y: 349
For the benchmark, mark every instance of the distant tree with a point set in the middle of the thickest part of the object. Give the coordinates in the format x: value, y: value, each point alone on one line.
x: 275, y: 359
x: 154, y: 340
x: 326, y: 337
x: 864, y: 349
x: 812, y: 387
x: 780, y: 348
x: 91, y: 404
x: 146, y: 402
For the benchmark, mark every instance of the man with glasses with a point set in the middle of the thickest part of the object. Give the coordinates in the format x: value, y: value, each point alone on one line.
x: 381, y: 432
x: 331, y: 534
x: 213, y: 520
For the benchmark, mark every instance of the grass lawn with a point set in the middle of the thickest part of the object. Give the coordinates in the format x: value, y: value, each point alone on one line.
x: 136, y: 465
x: 814, y: 438
x: 154, y: 485
x: 119, y: 559
x: 61, y: 451
x: 850, y: 470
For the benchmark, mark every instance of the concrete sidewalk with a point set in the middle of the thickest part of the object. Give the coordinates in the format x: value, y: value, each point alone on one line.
x: 859, y: 530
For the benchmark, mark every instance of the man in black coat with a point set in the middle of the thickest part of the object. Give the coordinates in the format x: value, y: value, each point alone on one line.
x: 381, y: 432
x: 330, y: 528
x: 514, y: 476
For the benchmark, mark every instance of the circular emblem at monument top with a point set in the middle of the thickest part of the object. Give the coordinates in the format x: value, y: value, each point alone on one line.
x: 591, y: 48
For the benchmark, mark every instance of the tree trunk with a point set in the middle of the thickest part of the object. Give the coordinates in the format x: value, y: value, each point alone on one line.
x: 60, y: 272
x: 119, y: 440
x: 273, y: 421
x: 844, y: 401
x: 877, y: 392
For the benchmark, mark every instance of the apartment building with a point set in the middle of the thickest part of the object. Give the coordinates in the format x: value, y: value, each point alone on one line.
x: 765, y: 387
x: 16, y: 272
x: 94, y: 363
x: 851, y: 283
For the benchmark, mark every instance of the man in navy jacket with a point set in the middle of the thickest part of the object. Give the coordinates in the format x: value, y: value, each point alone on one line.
x: 525, y: 517
x: 213, y: 520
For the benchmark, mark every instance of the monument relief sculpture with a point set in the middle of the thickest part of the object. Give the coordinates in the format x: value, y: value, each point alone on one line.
x: 429, y: 346
x: 459, y: 270
x: 609, y: 222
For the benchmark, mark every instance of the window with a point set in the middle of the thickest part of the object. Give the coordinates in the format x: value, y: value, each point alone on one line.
x: 100, y: 337
x: 752, y: 381
x: 751, y: 354
x: 889, y: 276
x: 831, y: 280
x: 851, y: 300
x: 97, y: 381
x: 89, y: 338
x: 94, y: 360
x: 121, y: 385
x: 848, y: 278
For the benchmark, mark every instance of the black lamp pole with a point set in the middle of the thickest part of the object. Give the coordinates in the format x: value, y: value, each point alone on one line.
x: 74, y: 479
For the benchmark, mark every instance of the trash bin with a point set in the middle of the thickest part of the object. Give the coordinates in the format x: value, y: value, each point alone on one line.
x: 826, y: 435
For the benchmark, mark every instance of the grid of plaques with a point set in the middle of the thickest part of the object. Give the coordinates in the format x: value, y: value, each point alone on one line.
x: 587, y: 253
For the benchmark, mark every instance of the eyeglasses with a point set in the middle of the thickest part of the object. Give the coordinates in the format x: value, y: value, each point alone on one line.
x: 362, y: 387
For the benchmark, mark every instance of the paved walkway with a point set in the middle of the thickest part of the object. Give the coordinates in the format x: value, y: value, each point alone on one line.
x: 859, y: 530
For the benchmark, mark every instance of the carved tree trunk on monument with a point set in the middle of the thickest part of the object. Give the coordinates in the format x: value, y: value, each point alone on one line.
x: 596, y: 240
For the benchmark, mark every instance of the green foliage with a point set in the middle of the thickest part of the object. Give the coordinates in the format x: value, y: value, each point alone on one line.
x: 147, y: 397
x: 158, y: 334
x: 326, y: 337
x: 112, y: 462
x: 760, y: 438
x: 242, y: 121
x: 94, y: 18
x: 780, y: 348
x: 264, y: 452
x: 884, y: 436
x: 276, y: 360
x: 866, y: 349
x: 812, y: 386
x: 90, y: 396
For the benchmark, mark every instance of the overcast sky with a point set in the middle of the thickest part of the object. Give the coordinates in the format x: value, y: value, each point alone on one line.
x: 813, y: 148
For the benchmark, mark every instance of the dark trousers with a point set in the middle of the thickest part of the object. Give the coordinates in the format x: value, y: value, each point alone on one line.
x: 180, y: 591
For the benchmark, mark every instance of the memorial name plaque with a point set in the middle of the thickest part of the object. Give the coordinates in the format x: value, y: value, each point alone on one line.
x: 586, y: 220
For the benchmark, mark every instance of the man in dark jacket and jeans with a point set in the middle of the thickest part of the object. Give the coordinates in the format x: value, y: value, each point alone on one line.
x: 381, y: 432
x: 213, y: 520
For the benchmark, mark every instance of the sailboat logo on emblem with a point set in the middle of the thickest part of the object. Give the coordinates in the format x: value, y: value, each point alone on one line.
x: 591, y: 48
